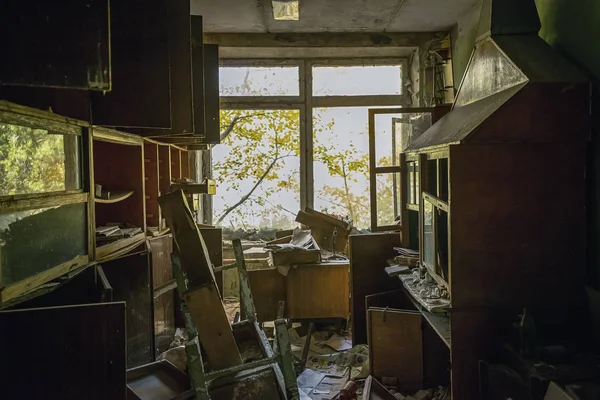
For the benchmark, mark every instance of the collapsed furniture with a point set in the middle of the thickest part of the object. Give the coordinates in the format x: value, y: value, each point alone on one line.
x: 224, y: 362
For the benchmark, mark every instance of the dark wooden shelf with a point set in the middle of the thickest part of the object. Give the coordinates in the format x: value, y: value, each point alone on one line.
x: 115, y: 197
x: 119, y: 247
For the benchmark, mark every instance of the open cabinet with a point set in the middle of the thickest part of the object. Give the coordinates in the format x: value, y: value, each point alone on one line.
x: 119, y: 188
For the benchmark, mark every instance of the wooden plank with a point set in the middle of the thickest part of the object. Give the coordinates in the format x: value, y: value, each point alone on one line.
x: 198, y: 75
x: 108, y: 250
x: 368, y: 255
x: 213, y: 237
x: 188, y: 240
x: 374, y: 390
x: 141, y: 94
x: 327, y: 218
x: 26, y: 285
x: 11, y: 204
x: 396, y: 346
x: 64, y: 102
x: 160, y: 249
x: 212, y: 119
x: 295, y: 257
x: 56, y: 44
x: 214, y: 331
x: 269, y: 288
x: 151, y: 189
x: 164, y: 321
x: 115, y: 136
x: 130, y: 279
x: 318, y: 291
x: 180, y: 61
x: 314, y: 221
x: 82, y: 360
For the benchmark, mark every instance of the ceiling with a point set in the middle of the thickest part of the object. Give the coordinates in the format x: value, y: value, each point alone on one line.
x: 256, y: 16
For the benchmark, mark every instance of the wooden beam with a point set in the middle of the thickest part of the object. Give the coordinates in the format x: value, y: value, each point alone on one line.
x: 187, y: 238
x: 24, y: 286
x: 11, y: 204
x: 408, y: 39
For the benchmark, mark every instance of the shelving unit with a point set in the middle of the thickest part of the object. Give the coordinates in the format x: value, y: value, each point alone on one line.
x: 152, y: 173
x: 115, y: 197
x: 175, y: 163
x: 119, y: 167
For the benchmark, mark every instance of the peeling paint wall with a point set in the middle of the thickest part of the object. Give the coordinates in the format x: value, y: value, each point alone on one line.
x: 463, y: 37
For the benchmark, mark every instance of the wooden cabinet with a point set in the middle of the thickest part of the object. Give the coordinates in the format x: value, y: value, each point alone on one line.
x: 59, y: 44
x: 318, y: 291
x: 499, y: 187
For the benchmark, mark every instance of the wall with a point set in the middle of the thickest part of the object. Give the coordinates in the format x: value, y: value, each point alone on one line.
x: 573, y: 27
x: 463, y: 37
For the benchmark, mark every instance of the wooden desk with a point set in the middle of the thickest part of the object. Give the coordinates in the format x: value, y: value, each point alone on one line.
x: 310, y: 291
x: 318, y: 291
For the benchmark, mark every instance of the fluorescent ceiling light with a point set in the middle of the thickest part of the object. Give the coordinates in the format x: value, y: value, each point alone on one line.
x: 286, y: 10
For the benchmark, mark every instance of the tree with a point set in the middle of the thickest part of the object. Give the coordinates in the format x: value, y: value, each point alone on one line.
x: 31, y: 160
x: 258, y: 144
x: 259, y: 159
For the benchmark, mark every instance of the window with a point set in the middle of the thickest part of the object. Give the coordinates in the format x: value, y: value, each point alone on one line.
x: 36, y: 161
x: 259, y: 81
x: 257, y: 168
x: 435, y: 236
x: 357, y: 80
x: 341, y: 162
x: 328, y: 142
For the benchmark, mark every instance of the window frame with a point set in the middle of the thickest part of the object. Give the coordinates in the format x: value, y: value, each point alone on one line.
x: 305, y: 102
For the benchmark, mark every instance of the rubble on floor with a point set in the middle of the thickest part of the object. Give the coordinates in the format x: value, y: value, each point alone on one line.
x: 332, y: 362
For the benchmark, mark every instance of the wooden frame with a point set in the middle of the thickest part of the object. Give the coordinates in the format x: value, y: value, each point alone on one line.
x: 433, y: 269
x: 400, y: 168
x: 305, y: 102
x: 118, y: 160
x: 24, y: 116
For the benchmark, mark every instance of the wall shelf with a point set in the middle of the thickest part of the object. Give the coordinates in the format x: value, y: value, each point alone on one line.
x: 115, y: 197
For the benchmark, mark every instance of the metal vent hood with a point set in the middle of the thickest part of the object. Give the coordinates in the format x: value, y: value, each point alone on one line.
x: 508, y: 56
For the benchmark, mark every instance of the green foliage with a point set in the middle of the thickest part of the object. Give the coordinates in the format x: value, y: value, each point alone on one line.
x: 31, y: 161
x: 258, y: 145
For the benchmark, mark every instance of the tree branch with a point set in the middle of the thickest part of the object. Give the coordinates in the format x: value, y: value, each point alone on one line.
x: 251, y: 191
x: 235, y: 120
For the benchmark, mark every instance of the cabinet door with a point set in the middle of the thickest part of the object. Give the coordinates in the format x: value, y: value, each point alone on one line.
x: 180, y: 61
x: 396, y: 346
x: 60, y: 44
x: 68, y: 352
x: 211, y: 94
x: 160, y: 250
x: 141, y: 86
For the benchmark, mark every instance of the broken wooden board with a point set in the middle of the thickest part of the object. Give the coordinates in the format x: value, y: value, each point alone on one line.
x: 207, y: 312
x: 395, y: 341
x: 374, y: 390
x: 323, y: 228
x: 188, y: 240
x: 295, y: 257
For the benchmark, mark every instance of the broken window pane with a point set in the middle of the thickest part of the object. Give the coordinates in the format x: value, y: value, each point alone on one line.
x: 257, y: 169
x: 357, y: 80
x: 35, y: 161
x: 36, y: 240
x: 259, y: 81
